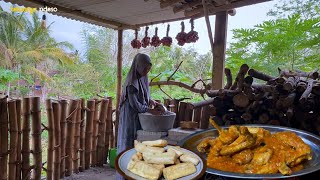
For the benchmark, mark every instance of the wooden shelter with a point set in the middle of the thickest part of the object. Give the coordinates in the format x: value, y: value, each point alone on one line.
x: 133, y: 14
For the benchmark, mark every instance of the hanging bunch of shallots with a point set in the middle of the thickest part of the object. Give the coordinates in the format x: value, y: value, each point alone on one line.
x: 136, y: 44
x: 167, y: 40
x: 146, y: 40
x: 181, y: 36
x: 155, y: 41
x: 192, y: 36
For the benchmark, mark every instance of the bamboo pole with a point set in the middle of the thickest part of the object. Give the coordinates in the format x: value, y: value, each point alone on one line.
x: 63, y: 125
x: 50, y: 139
x: 70, y: 135
x: 101, y: 131
x: 18, y: 106
x: 82, y: 136
x: 119, y: 83
x: 36, y: 137
x: 3, y: 138
x: 57, y: 140
x: 12, y: 109
x: 89, y: 131
x: 108, y: 129
x: 25, y: 138
x: 76, y: 139
x: 95, y: 134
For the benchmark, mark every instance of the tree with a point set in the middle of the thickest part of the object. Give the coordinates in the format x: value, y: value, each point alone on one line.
x: 24, y: 45
x: 289, y: 43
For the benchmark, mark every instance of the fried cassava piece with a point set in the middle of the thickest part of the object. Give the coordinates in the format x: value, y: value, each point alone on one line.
x: 152, y: 161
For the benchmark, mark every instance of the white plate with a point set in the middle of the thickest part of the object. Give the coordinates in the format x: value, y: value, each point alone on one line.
x: 124, y: 158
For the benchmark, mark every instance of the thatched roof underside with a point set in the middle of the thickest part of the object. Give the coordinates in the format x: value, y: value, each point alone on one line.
x: 131, y: 14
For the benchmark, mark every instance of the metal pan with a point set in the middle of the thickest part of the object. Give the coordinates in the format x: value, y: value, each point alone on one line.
x: 191, y: 142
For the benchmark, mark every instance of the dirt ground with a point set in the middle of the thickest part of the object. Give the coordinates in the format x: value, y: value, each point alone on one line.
x: 94, y: 173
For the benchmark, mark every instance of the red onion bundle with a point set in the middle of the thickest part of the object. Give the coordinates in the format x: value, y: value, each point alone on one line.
x: 167, y: 41
x: 136, y: 44
x: 155, y: 41
x: 192, y: 36
x: 146, y: 40
x: 181, y: 36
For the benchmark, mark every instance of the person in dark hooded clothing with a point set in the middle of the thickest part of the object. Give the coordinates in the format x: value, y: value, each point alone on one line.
x: 135, y: 99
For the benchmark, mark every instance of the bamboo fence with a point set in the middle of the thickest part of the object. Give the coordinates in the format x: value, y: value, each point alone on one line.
x: 79, y: 136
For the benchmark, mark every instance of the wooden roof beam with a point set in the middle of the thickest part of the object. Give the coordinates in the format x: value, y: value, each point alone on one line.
x: 167, y: 3
x: 225, y: 7
x: 185, y: 6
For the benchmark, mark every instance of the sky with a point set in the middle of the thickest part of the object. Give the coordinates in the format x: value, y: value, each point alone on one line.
x: 64, y: 29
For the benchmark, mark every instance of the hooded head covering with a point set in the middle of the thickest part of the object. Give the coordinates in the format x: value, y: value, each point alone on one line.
x: 135, y: 78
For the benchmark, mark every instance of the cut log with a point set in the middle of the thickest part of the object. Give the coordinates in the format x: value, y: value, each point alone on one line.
x: 238, y: 83
x: 313, y: 75
x: 228, y: 74
x: 291, y: 83
x: 305, y: 95
x: 260, y: 75
x: 200, y: 104
x: 241, y: 100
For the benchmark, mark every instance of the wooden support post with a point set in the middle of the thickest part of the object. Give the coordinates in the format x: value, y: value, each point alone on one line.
x: 3, y: 138
x: 219, y: 49
x: 206, y: 15
x: 70, y: 135
x: 12, y: 109
x: 36, y: 137
x: 63, y: 125
x: 119, y: 83
x: 82, y: 136
x: 50, y: 140
x: 57, y: 140
x: 18, y: 105
x: 25, y: 138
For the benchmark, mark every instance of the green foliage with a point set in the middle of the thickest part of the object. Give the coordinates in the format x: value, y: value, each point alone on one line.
x: 6, y: 77
x: 26, y: 47
x: 289, y: 43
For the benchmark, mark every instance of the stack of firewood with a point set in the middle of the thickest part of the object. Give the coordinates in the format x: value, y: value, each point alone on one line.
x: 292, y: 99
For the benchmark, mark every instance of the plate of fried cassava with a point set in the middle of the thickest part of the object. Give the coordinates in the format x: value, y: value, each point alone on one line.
x: 158, y: 160
x: 256, y: 151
